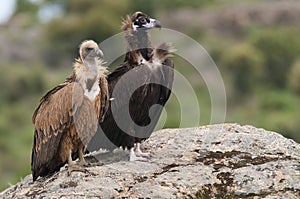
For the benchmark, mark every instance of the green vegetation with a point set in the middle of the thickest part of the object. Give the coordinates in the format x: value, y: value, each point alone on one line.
x: 260, y: 66
x: 280, y: 47
x: 243, y: 59
x: 294, y: 77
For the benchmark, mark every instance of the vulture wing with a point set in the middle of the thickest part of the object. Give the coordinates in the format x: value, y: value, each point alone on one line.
x: 53, y: 119
x: 158, y: 95
x: 121, y: 84
x: 104, y: 98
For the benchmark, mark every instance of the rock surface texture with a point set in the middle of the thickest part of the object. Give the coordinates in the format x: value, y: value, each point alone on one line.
x: 216, y: 161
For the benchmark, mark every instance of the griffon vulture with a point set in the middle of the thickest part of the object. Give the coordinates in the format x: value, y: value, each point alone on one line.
x: 67, y: 116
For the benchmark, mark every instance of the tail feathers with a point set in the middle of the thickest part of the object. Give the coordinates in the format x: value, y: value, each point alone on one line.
x: 45, y: 170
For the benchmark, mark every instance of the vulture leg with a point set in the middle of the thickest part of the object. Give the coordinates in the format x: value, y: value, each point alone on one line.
x: 81, y: 157
x: 73, y: 167
x: 139, y: 153
x: 134, y: 157
x: 83, y: 162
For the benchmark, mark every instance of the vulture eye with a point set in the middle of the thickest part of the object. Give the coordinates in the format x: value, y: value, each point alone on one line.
x: 89, y: 49
x: 142, y: 20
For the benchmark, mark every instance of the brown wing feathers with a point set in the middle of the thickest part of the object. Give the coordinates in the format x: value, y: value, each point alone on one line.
x: 57, y: 108
x: 104, y: 98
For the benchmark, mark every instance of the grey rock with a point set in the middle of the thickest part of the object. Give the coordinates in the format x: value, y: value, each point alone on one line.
x: 216, y: 161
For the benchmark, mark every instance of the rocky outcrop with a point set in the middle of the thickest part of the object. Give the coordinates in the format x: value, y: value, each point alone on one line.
x: 216, y: 161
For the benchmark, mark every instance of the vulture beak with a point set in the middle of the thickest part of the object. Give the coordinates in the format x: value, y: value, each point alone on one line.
x: 99, y: 53
x: 153, y: 24
x: 157, y: 24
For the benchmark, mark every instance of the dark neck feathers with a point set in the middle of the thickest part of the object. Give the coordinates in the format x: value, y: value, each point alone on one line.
x: 137, y: 42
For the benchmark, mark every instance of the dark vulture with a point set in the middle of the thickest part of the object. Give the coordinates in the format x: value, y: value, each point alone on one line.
x: 67, y: 116
x: 151, y: 72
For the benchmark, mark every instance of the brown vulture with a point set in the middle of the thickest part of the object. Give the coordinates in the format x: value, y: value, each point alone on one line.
x: 150, y: 71
x: 67, y: 116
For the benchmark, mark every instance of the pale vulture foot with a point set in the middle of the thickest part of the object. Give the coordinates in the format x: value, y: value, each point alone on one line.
x: 134, y: 157
x: 140, y: 153
x: 77, y: 167
x: 74, y: 167
x: 94, y: 164
x: 84, y: 163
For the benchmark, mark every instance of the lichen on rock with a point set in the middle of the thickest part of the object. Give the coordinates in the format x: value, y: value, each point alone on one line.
x: 215, y: 161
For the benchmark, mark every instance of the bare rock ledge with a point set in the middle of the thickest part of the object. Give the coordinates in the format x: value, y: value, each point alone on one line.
x: 216, y: 161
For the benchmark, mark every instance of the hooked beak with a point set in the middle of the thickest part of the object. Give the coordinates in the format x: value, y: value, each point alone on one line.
x: 153, y: 24
x: 99, y: 53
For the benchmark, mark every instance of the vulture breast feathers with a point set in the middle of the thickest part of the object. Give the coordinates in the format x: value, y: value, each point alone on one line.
x: 142, y: 81
x: 67, y: 116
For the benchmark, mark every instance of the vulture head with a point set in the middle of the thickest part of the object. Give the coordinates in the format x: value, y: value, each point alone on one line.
x: 140, y: 20
x: 89, y: 65
x: 89, y: 50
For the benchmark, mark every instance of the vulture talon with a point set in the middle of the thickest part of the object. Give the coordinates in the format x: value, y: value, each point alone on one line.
x: 140, y: 153
x: 79, y: 168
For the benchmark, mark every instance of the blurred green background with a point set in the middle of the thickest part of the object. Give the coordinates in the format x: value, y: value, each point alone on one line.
x: 255, y: 44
